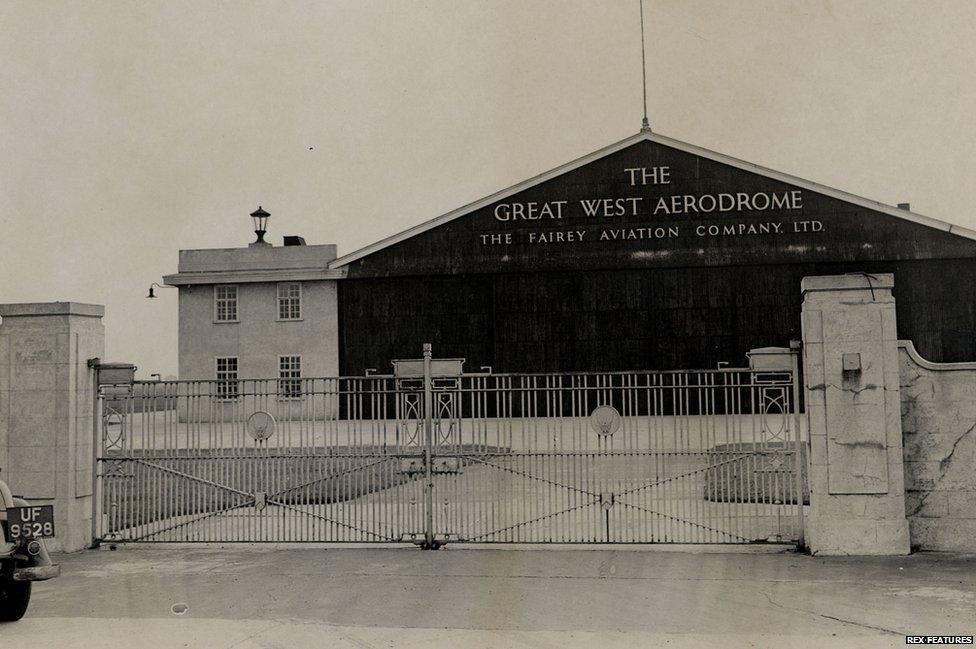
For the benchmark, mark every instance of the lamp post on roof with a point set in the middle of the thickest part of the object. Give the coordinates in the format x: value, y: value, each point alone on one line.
x: 260, y: 218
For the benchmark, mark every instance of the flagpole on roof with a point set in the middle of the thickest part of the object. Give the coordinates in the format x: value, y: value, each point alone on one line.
x: 645, y: 124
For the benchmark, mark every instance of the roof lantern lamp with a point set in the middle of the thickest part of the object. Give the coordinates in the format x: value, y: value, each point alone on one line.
x: 260, y: 218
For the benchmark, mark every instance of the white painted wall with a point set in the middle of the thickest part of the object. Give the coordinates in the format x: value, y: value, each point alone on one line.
x: 259, y: 338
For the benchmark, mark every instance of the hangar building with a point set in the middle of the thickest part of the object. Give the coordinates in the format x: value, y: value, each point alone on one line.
x: 647, y: 254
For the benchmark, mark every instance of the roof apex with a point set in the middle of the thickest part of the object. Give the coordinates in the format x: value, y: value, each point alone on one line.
x: 647, y: 135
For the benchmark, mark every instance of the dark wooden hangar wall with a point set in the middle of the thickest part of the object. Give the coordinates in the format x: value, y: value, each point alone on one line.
x: 679, y: 302
x: 850, y: 232
x: 668, y: 318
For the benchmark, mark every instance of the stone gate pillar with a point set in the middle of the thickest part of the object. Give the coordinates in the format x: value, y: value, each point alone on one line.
x: 46, y: 406
x: 850, y: 365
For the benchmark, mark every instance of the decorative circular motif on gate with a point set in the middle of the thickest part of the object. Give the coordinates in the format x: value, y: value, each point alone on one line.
x: 113, y: 428
x: 605, y: 420
x: 261, y: 425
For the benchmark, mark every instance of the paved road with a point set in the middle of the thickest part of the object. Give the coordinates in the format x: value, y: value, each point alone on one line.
x: 250, y: 597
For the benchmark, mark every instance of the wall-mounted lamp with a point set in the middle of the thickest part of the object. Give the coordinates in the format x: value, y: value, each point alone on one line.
x: 152, y: 292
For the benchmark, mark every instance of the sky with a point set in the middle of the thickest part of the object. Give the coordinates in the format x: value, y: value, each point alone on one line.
x: 131, y: 130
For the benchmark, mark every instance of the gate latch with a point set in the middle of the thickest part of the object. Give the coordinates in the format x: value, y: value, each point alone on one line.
x: 420, y: 539
x: 411, y: 465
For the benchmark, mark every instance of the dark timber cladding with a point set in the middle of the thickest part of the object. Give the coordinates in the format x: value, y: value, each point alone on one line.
x: 652, y: 254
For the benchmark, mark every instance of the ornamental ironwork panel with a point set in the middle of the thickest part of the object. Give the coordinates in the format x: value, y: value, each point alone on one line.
x: 433, y: 455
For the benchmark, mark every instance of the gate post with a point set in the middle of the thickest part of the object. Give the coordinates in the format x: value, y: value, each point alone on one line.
x: 47, y: 410
x: 428, y: 450
x: 850, y: 363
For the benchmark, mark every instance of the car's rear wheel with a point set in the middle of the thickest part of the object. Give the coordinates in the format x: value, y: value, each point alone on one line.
x: 14, y: 598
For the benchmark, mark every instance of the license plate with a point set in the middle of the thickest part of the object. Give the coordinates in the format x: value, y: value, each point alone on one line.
x: 30, y: 522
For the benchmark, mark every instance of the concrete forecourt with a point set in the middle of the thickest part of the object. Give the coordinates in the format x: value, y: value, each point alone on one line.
x: 249, y: 596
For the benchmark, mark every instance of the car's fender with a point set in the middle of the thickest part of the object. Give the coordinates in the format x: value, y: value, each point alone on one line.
x: 6, y: 502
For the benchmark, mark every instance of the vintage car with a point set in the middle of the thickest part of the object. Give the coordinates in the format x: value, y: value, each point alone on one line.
x: 23, y: 557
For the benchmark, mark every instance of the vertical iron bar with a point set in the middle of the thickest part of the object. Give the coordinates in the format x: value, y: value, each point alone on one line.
x: 428, y: 449
x: 798, y: 447
x: 96, y: 464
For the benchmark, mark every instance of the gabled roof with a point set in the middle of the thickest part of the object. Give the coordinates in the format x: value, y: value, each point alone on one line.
x: 668, y: 142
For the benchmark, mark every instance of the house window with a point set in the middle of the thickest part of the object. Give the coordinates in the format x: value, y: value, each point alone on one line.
x: 289, y: 301
x: 289, y: 377
x: 225, y: 303
x: 227, y: 377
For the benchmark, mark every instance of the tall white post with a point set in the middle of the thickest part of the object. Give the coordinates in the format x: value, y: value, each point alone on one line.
x: 850, y: 365
x: 47, y: 409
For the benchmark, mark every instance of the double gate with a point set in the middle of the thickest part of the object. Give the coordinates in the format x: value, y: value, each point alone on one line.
x: 430, y: 455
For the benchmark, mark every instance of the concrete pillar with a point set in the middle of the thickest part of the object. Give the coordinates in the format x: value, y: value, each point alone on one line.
x: 850, y: 364
x: 46, y: 410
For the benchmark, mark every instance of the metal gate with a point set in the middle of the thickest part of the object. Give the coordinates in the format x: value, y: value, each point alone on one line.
x: 430, y: 455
